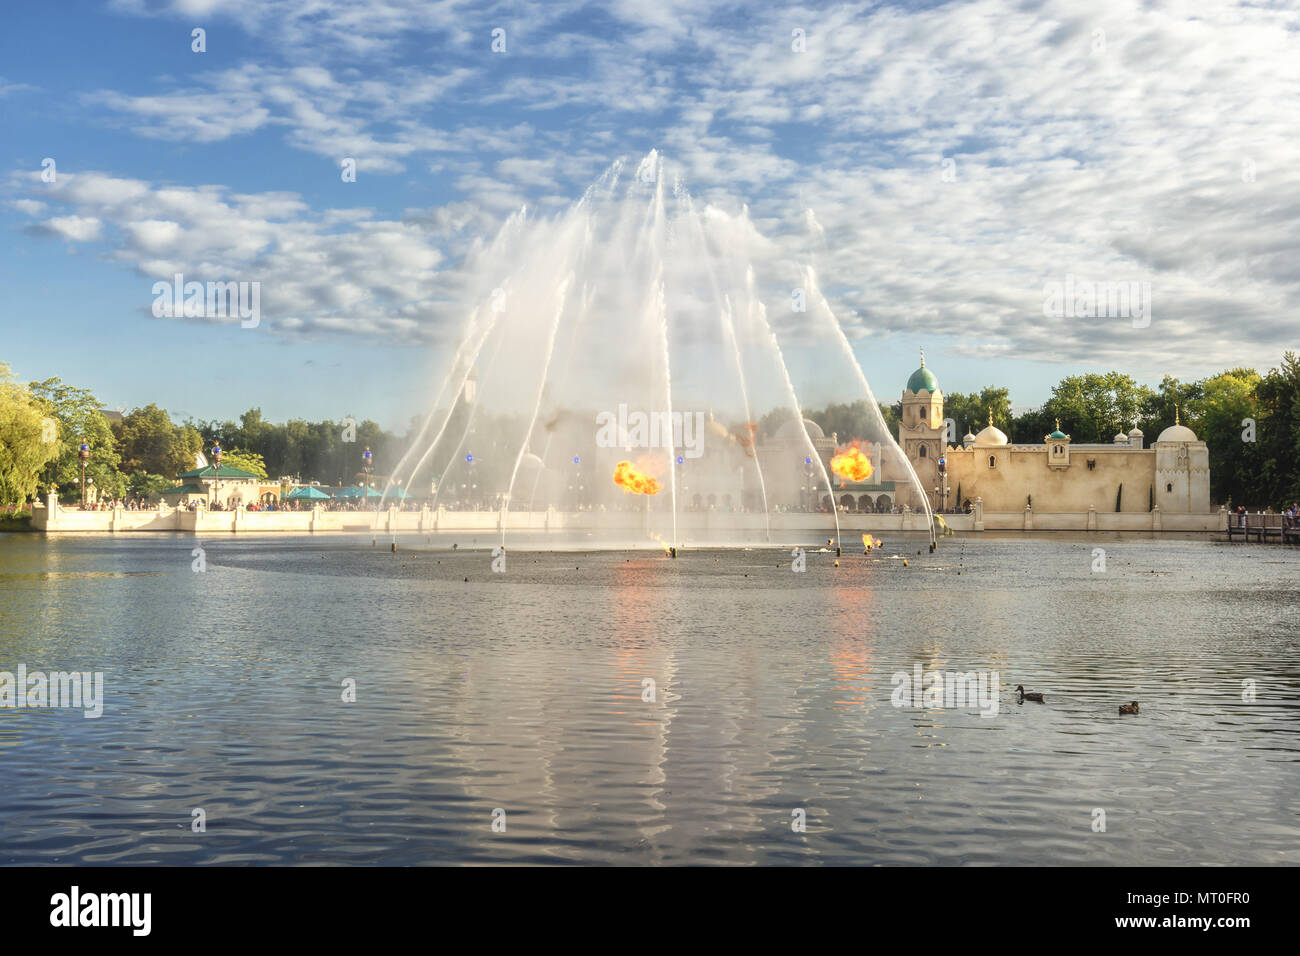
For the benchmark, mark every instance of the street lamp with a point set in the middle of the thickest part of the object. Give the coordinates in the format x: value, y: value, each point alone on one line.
x: 367, y: 466
x: 84, y: 454
x: 942, y: 502
x: 216, y: 476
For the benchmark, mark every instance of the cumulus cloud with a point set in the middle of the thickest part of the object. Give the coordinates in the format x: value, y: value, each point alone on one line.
x: 345, y: 271
x: 958, y: 157
x: 72, y: 228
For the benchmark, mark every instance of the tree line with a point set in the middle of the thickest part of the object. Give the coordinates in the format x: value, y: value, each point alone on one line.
x: 1250, y: 421
x: 43, y: 425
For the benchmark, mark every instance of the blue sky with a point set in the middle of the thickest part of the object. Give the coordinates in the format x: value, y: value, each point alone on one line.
x: 1124, y: 142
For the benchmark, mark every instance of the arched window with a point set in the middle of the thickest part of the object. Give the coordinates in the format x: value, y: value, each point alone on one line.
x: 1058, y: 450
x: 923, y: 452
x: 1169, y: 487
x: 993, y: 462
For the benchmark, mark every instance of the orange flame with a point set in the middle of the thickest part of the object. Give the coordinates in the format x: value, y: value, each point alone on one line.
x: 745, y: 435
x: 634, y: 481
x: 870, y: 543
x: 851, y: 463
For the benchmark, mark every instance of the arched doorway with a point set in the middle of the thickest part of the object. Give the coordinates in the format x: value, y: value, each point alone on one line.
x: 884, y: 505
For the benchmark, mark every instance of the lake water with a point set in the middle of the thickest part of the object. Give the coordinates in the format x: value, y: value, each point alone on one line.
x: 523, y: 692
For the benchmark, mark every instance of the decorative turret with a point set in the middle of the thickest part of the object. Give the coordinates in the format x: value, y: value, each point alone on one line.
x: 991, y: 435
x: 1058, y: 448
x: 921, y: 429
x: 1182, y: 469
x: 1177, y: 431
x: 923, y: 380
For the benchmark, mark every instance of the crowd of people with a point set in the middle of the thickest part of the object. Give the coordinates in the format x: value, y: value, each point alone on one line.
x: 1290, y: 515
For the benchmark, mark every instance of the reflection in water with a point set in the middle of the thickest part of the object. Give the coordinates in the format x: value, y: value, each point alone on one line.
x: 524, y: 691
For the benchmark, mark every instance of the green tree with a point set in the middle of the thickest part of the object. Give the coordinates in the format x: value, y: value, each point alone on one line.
x: 249, y: 461
x: 27, y: 444
x: 1273, y: 457
x: 149, y: 442
x: 970, y: 411
x: 79, y: 419
x: 1228, y: 403
x: 141, y: 484
x: 1093, y: 407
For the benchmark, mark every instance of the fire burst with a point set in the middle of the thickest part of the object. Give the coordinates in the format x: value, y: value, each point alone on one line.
x: 852, y: 464
x: 871, y: 543
x: 634, y: 481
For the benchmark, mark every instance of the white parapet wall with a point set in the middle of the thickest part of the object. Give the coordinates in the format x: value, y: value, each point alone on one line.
x: 701, y: 525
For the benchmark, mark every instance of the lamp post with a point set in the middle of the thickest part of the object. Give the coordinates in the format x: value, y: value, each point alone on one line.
x: 84, y: 455
x: 216, y: 475
x: 941, y: 497
x: 470, y: 488
x: 367, y: 467
x: 575, y: 485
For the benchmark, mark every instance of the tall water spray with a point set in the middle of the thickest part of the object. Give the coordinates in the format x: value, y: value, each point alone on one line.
x: 622, y: 380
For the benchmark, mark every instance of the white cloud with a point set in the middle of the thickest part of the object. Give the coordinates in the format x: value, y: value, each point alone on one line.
x: 72, y: 228
x: 1159, y: 147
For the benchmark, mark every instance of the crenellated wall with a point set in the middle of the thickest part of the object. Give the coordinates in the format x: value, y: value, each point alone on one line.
x: 1021, y: 471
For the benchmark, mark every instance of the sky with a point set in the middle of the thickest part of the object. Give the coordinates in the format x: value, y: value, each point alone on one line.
x: 959, y: 159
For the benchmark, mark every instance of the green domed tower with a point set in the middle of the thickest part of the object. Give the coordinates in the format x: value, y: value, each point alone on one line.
x: 921, y: 430
x: 923, y: 379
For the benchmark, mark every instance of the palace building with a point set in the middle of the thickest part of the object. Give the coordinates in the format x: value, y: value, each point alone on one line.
x: 1052, y: 475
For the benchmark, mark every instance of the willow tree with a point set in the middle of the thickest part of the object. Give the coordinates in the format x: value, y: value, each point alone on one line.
x: 28, y: 441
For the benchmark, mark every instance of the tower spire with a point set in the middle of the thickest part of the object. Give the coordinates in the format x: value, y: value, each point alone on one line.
x: 1175, y: 414
x: 922, y: 356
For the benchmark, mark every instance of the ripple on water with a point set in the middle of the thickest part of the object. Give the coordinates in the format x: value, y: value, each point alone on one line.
x: 524, y: 692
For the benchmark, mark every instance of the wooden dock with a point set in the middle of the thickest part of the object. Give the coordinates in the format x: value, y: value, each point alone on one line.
x: 1263, y: 527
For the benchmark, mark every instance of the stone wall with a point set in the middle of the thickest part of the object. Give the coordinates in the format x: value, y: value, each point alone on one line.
x: 54, y: 518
